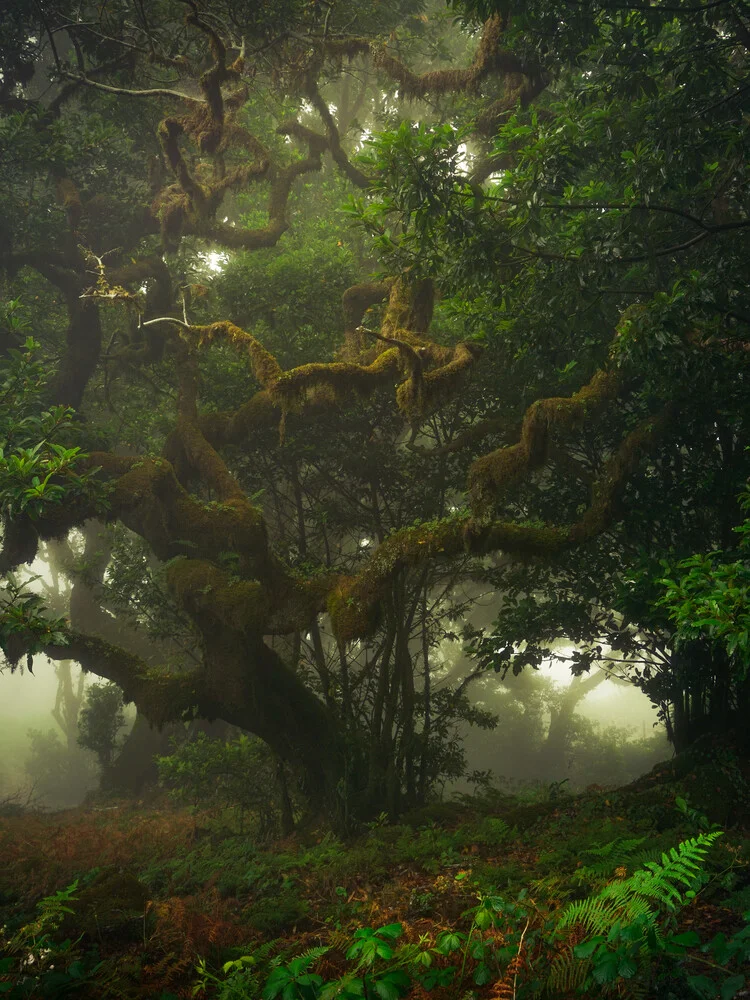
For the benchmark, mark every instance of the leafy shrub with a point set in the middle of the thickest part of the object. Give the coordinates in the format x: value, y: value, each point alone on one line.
x: 212, y: 774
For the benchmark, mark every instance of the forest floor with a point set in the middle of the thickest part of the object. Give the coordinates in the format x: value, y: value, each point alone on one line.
x: 458, y: 900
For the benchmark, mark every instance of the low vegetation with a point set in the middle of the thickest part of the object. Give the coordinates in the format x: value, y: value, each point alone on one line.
x: 629, y: 892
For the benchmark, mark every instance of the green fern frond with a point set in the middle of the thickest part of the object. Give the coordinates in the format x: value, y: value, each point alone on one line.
x: 340, y: 940
x: 598, y: 915
x: 656, y: 883
x: 567, y: 974
x: 622, y: 847
x: 549, y: 887
x: 619, y: 853
x: 310, y: 957
x: 659, y: 880
x: 264, y: 950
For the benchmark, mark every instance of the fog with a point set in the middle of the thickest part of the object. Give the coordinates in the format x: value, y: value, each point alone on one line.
x: 27, y: 700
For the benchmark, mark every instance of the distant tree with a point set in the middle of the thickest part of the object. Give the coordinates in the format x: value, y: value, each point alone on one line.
x: 100, y: 723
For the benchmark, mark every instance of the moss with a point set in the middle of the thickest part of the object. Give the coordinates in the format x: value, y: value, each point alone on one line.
x: 422, y: 395
x: 170, y: 208
x: 207, y: 592
x: 265, y: 366
x: 148, y: 497
x: 354, y: 603
x: 524, y: 540
x: 351, y: 618
x: 345, y: 379
x: 235, y: 526
x: 70, y: 199
x: 163, y: 697
x: 410, y: 307
x: 489, y: 58
x: 504, y: 466
x: 355, y: 301
x: 611, y: 483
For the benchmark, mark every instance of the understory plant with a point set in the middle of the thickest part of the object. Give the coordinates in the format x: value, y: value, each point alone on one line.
x: 34, y: 963
x: 622, y: 939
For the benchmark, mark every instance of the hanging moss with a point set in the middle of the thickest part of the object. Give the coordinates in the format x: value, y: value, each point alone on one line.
x: 345, y: 379
x: 422, y: 395
x: 489, y: 58
x: 70, y: 199
x: 170, y: 208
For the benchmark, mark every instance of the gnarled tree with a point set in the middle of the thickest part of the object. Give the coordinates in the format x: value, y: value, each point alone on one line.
x: 221, y: 118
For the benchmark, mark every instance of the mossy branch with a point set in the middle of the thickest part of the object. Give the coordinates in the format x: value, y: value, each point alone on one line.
x: 489, y: 59
x: 161, y: 696
x: 353, y: 603
x: 504, y: 466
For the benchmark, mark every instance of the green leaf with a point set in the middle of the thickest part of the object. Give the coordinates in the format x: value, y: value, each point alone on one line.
x: 730, y: 987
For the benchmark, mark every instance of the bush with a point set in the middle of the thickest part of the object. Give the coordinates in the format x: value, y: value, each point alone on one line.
x: 216, y: 774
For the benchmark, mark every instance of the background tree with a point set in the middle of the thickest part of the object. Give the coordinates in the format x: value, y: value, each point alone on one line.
x: 100, y: 722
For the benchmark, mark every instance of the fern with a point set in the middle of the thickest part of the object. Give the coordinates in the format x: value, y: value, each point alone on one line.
x: 617, y: 848
x: 301, y: 963
x: 599, y: 915
x: 655, y: 885
x: 567, y: 974
x: 619, y: 853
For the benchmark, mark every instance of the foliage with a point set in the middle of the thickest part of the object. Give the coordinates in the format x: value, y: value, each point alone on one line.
x: 33, y: 963
x: 494, y: 920
x: 36, y: 470
x: 542, y: 402
x: 712, y: 597
x: 236, y: 774
x: 100, y: 722
x: 25, y: 615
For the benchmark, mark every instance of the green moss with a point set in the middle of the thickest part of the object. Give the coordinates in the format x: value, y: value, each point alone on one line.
x: 344, y: 379
x: 501, y: 468
x: 163, y: 697
x: 203, y: 589
x: 422, y: 395
x: 351, y: 617
x: 353, y: 604
x: 265, y: 366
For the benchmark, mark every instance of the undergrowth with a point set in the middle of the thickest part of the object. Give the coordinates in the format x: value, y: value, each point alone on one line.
x: 493, y: 898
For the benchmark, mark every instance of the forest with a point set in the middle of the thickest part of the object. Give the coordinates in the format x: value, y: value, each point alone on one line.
x: 375, y: 499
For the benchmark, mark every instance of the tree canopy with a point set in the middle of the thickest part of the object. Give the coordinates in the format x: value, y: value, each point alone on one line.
x: 339, y: 314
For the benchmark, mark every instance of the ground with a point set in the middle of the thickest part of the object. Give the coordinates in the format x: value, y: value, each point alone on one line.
x: 164, y: 897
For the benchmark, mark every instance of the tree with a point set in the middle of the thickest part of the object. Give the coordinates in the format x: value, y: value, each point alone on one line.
x: 577, y: 195
x: 100, y: 722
